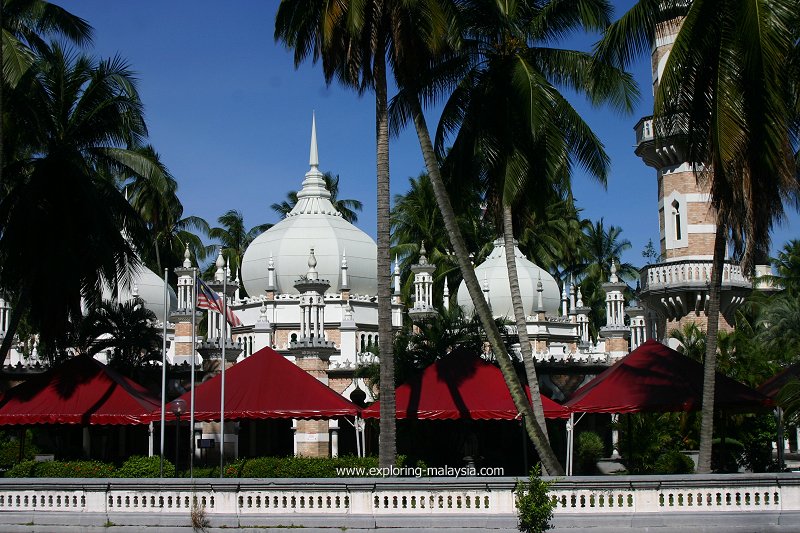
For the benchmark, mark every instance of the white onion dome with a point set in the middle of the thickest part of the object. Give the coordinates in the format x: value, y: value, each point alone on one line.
x: 314, y: 222
x: 493, y: 275
x: 148, y: 286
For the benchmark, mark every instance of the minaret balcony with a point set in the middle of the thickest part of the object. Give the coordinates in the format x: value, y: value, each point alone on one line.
x: 677, y: 288
x: 658, y: 150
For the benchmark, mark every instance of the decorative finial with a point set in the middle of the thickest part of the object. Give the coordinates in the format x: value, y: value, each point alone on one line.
x: 422, y: 259
x: 348, y: 312
x: 613, y: 278
x: 262, y: 315
x: 396, y: 266
x: 312, y: 263
x: 446, y: 287
x: 219, y: 275
x: 271, y: 264
x: 539, y: 291
x: 344, y: 258
x: 135, y: 290
x: 579, y: 303
x: 313, y: 159
x: 187, y: 261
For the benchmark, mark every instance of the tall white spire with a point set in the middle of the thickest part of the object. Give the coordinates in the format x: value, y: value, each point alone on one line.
x: 314, y: 197
x: 313, y: 158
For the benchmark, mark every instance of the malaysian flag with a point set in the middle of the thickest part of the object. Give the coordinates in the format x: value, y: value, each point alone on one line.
x: 209, y: 299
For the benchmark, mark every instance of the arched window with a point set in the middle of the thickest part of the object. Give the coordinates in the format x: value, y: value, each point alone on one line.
x: 677, y: 214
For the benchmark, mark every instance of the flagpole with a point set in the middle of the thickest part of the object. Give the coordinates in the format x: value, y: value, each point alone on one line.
x: 191, y: 394
x: 222, y: 362
x: 164, y: 372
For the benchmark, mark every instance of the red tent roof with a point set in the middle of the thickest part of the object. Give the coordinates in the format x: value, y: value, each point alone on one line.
x: 460, y: 385
x: 655, y: 377
x: 773, y: 385
x: 267, y: 385
x: 82, y: 390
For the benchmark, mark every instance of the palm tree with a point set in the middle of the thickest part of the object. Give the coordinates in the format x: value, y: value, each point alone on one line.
x: 603, y: 246
x: 235, y: 238
x: 25, y: 24
x: 72, y: 121
x: 128, y: 328
x: 154, y: 196
x: 416, y: 219
x: 725, y: 90
x: 500, y: 52
x: 352, y: 40
x: 346, y: 207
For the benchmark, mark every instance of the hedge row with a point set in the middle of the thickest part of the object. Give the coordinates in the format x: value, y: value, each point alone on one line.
x: 149, y: 467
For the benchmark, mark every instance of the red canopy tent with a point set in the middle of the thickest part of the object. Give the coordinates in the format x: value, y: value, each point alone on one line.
x: 80, y: 391
x: 656, y: 378
x: 460, y: 385
x: 267, y: 385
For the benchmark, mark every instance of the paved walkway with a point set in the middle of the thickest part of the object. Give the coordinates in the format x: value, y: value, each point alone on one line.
x: 58, y: 522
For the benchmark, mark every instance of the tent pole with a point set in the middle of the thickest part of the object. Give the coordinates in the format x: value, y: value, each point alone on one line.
x: 163, y: 375
x: 570, y: 432
x: 780, y: 448
x: 525, y: 461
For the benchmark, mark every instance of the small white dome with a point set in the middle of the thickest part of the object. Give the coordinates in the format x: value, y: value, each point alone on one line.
x: 314, y: 223
x: 493, y: 272
x: 150, y: 287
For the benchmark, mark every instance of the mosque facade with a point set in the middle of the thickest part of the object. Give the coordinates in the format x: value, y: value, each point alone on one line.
x: 312, y: 291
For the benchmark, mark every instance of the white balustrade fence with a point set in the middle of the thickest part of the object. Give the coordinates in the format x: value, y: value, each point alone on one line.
x: 376, y: 497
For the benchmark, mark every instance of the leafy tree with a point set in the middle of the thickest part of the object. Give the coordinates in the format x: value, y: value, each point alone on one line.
x: 73, y: 120
x: 235, y: 238
x: 127, y: 328
x: 416, y: 219
x: 154, y: 196
x: 25, y: 26
x: 348, y: 208
x: 516, y: 132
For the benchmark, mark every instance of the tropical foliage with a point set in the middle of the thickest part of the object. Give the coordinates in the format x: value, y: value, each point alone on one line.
x: 74, y: 120
x: 126, y: 329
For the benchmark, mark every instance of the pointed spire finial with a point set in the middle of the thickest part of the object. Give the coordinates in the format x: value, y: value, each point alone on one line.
x: 312, y: 263
x: 187, y: 257
x: 313, y: 158
x: 613, y: 278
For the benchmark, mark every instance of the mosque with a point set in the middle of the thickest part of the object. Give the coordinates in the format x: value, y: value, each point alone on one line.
x: 313, y: 292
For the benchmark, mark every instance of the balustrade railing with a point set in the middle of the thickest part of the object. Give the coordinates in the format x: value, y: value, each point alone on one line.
x: 689, y: 272
x: 400, y: 496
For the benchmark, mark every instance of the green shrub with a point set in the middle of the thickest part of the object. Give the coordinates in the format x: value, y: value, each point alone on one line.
x: 234, y: 469
x: 9, y: 449
x: 534, y: 506
x: 303, y: 467
x: 23, y: 469
x: 89, y: 469
x: 590, y: 450
x: 144, y: 467
x: 674, y: 462
x: 261, y: 467
x: 202, y: 471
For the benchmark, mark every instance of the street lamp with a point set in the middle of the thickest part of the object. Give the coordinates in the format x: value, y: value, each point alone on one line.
x: 177, y: 407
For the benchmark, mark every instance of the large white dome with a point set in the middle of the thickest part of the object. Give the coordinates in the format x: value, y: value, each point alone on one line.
x: 493, y: 272
x: 150, y: 288
x: 313, y: 223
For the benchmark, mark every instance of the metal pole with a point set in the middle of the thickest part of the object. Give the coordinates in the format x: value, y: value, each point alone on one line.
x: 222, y: 362
x: 192, y: 353
x: 177, y: 438
x: 164, y: 373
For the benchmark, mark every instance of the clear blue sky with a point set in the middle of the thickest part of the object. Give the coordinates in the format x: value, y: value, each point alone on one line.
x: 231, y: 116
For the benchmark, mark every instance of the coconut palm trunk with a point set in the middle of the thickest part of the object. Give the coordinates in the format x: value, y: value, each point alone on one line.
x: 710, y: 360
x: 519, y: 316
x: 387, y: 450
x: 534, y: 430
